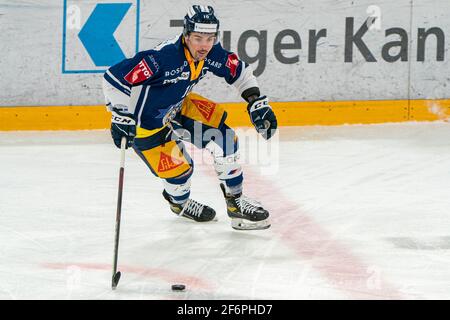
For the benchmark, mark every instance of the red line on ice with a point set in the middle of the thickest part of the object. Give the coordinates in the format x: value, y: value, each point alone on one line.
x: 171, y: 277
x: 312, y: 242
x: 315, y: 244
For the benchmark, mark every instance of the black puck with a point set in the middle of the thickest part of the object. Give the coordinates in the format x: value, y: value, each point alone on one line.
x: 178, y: 287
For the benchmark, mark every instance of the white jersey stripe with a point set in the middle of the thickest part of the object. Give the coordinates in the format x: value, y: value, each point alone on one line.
x: 116, y: 80
x: 134, y: 98
x: 142, y: 105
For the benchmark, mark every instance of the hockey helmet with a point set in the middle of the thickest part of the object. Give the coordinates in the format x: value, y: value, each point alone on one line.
x: 201, y: 19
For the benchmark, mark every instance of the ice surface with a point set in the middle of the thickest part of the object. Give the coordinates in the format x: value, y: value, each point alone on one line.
x: 358, y: 212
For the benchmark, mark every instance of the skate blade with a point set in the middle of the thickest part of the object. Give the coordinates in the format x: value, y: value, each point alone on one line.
x: 243, y: 224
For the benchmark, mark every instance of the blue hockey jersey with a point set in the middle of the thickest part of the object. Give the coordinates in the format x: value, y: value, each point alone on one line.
x: 158, y: 80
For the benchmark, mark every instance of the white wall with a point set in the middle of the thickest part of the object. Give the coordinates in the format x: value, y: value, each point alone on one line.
x: 31, y: 45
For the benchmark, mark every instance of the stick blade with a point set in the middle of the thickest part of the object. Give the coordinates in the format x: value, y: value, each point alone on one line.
x: 115, y: 280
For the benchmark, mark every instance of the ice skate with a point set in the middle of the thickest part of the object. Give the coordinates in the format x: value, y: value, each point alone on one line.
x: 245, y: 213
x: 191, y: 209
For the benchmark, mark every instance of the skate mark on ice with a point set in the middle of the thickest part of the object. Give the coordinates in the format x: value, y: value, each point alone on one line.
x: 431, y: 243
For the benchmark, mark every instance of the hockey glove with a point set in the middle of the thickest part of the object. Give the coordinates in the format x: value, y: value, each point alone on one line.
x: 122, y: 125
x: 262, y: 117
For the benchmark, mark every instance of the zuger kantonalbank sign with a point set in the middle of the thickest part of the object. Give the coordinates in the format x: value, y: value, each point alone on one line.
x: 301, y: 50
x: 394, y: 49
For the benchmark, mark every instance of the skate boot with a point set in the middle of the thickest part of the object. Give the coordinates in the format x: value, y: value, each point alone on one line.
x: 191, y: 209
x: 245, y: 213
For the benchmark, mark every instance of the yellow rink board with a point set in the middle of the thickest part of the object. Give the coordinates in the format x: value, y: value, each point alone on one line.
x: 288, y: 114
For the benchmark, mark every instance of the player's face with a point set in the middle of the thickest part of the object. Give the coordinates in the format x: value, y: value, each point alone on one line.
x: 200, y: 44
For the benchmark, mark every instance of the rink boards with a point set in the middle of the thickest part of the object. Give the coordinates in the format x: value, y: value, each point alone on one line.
x: 288, y: 114
x: 319, y: 62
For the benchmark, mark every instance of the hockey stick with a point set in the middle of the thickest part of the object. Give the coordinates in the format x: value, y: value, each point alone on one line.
x: 116, y: 274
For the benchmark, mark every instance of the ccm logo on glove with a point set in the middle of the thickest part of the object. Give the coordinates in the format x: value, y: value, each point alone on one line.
x: 121, y: 119
x: 262, y: 117
x: 122, y: 125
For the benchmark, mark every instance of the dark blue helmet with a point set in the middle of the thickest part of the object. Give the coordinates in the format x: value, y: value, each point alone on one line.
x: 201, y: 19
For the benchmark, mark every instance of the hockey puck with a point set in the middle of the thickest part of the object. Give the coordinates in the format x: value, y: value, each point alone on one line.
x: 178, y: 287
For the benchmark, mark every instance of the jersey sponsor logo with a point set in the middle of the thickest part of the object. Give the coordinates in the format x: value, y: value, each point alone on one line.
x: 213, y: 63
x: 232, y: 63
x: 177, y: 70
x: 206, y: 108
x: 167, y: 163
x: 140, y: 73
x: 153, y: 60
x: 184, y: 76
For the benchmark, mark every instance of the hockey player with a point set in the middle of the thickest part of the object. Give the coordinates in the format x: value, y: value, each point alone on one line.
x: 150, y: 98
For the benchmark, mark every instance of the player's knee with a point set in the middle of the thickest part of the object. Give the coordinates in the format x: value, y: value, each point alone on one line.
x: 228, y: 167
x: 231, y: 142
x: 225, y: 141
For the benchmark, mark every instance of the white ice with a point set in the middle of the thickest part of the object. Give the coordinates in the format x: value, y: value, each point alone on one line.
x: 358, y: 212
